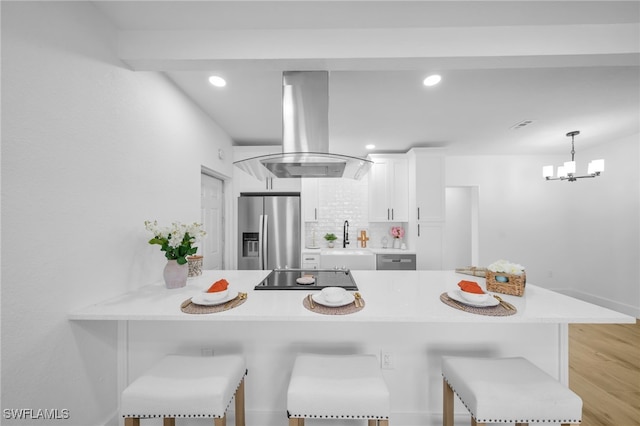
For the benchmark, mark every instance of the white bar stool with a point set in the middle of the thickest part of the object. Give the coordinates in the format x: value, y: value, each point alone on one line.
x: 506, y: 390
x: 337, y: 387
x: 187, y: 387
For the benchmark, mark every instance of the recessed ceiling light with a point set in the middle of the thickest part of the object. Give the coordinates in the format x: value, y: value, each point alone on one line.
x: 432, y: 80
x: 370, y: 146
x: 217, y: 81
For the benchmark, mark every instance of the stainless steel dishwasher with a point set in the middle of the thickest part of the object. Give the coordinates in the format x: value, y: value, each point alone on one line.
x: 396, y: 262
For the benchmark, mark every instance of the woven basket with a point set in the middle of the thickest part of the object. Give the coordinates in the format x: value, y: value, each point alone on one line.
x: 514, y: 286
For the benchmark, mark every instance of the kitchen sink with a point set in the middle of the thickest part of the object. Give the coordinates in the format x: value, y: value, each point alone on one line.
x: 347, y: 258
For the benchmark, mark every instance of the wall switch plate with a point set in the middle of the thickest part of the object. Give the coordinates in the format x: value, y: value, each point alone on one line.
x: 386, y: 360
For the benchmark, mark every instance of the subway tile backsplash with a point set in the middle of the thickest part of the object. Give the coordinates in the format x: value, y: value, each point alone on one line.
x: 346, y: 199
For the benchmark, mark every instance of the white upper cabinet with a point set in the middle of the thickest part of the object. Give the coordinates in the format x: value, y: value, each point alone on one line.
x: 389, y: 189
x: 430, y: 185
x: 310, y: 198
x: 244, y: 182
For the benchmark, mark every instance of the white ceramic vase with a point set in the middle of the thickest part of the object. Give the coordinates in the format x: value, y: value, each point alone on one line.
x: 175, y: 275
x: 397, y: 243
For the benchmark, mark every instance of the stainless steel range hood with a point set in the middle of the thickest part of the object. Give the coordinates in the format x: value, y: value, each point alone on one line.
x: 305, y: 135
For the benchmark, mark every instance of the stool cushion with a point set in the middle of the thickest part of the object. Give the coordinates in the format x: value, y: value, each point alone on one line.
x: 502, y: 390
x: 185, y: 386
x: 337, y: 386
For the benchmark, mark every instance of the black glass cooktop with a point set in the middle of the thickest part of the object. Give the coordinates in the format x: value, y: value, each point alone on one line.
x: 287, y: 279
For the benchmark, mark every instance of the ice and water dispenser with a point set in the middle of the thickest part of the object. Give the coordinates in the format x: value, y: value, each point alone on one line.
x: 250, y: 244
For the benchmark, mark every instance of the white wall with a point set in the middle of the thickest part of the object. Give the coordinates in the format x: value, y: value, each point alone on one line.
x: 604, y: 229
x: 90, y: 150
x: 580, y: 237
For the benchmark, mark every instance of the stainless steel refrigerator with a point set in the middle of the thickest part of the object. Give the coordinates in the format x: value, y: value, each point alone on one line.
x: 268, y: 231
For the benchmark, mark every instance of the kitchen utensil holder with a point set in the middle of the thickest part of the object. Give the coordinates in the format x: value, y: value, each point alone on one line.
x: 195, y: 265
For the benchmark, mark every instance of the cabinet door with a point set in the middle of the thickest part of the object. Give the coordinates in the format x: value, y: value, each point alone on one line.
x: 399, y: 191
x: 310, y: 194
x: 389, y: 190
x: 379, y: 208
x: 285, y: 185
x: 310, y: 261
x: 429, y: 247
x: 430, y: 187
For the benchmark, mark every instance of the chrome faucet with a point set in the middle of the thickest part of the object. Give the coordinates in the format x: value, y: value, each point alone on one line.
x: 345, y: 234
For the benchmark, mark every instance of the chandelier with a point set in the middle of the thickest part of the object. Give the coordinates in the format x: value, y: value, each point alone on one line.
x: 568, y: 170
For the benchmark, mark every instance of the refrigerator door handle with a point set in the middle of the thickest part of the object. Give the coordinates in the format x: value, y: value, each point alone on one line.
x: 265, y: 241
x: 261, y: 242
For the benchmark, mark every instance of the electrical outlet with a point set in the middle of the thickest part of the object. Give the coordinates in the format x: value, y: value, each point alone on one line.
x: 386, y: 360
x: 206, y: 351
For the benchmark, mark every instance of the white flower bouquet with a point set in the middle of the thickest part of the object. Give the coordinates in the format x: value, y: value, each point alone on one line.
x: 506, y: 267
x: 176, y: 240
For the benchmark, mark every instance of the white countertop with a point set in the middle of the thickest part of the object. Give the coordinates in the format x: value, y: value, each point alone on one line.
x: 374, y: 250
x: 390, y: 296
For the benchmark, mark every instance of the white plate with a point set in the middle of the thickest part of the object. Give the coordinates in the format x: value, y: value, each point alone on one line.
x: 198, y: 299
x: 455, y: 295
x: 305, y: 280
x: 319, y: 299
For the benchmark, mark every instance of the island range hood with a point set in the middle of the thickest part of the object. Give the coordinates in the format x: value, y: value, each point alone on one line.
x: 305, y: 135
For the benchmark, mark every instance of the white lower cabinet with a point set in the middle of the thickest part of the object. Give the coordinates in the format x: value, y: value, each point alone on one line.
x: 310, y: 261
x: 429, y: 246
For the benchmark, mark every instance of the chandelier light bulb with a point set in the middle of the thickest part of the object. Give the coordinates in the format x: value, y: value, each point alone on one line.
x: 570, y: 167
x: 596, y: 166
x: 562, y: 172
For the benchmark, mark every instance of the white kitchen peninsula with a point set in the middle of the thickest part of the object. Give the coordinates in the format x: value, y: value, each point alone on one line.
x: 403, y: 318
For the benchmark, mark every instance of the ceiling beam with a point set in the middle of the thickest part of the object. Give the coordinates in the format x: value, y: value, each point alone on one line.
x: 383, y: 49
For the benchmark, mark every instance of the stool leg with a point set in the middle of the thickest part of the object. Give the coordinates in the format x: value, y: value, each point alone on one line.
x: 522, y: 424
x: 296, y: 421
x: 383, y: 422
x: 372, y: 422
x: 474, y: 423
x: 220, y: 421
x: 131, y: 421
x: 240, y: 404
x: 447, y: 404
x: 169, y: 421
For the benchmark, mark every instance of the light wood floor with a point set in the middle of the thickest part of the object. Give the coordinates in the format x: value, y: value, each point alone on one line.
x: 604, y: 369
